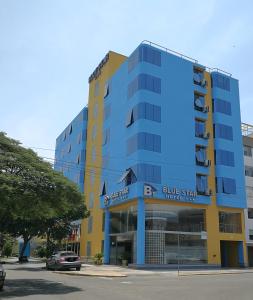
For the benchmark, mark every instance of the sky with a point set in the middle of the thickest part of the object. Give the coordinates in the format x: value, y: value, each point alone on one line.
x: 48, y: 49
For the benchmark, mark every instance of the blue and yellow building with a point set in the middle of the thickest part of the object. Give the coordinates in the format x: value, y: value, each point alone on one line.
x: 164, y: 172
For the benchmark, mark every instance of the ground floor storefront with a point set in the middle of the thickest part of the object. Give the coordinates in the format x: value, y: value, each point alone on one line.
x: 149, y: 233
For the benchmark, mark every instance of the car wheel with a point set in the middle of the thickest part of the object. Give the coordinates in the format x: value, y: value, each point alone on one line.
x: 78, y: 268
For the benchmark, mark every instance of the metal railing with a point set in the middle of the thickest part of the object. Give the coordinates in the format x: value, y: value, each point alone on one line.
x: 246, y: 129
x: 185, y: 57
x: 230, y: 228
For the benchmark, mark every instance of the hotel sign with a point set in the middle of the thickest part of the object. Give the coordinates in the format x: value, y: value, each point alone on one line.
x: 119, y: 195
x: 179, y: 194
x: 97, y: 71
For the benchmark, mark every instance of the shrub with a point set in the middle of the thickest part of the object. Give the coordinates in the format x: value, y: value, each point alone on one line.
x: 98, y: 259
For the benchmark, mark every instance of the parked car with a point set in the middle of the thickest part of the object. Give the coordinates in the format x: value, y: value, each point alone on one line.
x: 64, y: 260
x: 2, y: 276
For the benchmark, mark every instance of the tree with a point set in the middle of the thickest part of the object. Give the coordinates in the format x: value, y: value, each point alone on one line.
x: 33, y: 196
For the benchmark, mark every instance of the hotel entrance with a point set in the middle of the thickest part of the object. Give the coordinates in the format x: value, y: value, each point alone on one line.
x: 122, y: 248
x: 231, y: 254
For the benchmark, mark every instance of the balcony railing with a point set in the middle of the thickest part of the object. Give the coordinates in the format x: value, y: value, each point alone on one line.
x: 230, y: 228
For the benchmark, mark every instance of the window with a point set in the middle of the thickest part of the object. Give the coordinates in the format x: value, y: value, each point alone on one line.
x: 128, y: 177
x: 88, y: 248
x: 201, y: 184
x: 223, y: 132
x: 107, y: 111
x: 106, y: 136
x: 247, y: 150
x: 144, y: 53
x: 200, y: 155
x: 79, y: 138
x: 144, y: 82
x: 95, y: 110
x: 103, y: 189
x: 148, y: 173
x: 198, y: 77
x: 248, y: 171
x: 70, y: 129
x: 250, y: 213
x: 69, y: 148
x: 93, y: 153
x: 90, y: 224
x: 230, y: 222
x: 91, y: 200
x: 92, y: 176
x: 94, y: 132
x: 106, y: 90
x: 146, y: 111
x: 103, y: 221
x: 200, y: 128
x: 78, y: 159
x: 225, y: 185
x: 221, y: 81
x: 144, y: 141
x: 225, y: 158
x: 222, y: 106
x: 199, y: 102
x: 96, y: 90
x: 64, y: 136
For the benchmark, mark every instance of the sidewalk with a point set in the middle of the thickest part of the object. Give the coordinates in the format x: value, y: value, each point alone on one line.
x: 118, y: 271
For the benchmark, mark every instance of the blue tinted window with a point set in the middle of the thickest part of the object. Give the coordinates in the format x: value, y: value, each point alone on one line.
x: 200, y: 128
x: 225, y: 185
x: 106, y: 136
x: 223, y: 132
x: 144, y: 82
x: 147, y: 173
x: 221, y: 81
x: 201, y: 184
x: 144, y: 141
x: 146, y: 54
x: 222, y: 106
x: 223, y: 157
x: 146, y: 111
x: 107, y: 111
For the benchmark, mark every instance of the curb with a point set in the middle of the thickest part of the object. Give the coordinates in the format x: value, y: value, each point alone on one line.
x: 217, y: 273
x: 89, y: 274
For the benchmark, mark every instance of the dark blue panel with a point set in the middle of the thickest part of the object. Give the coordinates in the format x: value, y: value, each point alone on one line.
x: 147, y: 173
x: 222, y: 106
x: 225, y: 185
x: 223, y: 157
x: 221, y: 81
x: 223, y: 131
x: 144, y: 82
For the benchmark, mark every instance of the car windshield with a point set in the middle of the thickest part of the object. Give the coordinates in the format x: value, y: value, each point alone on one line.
x: 67, y: 254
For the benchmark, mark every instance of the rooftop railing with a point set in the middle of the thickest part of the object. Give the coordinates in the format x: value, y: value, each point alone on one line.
x: 185, y: 57
x: 247, y: 129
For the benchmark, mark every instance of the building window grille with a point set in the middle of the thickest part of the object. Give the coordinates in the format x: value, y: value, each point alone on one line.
x: 225, y: 185
x: 222, y: 106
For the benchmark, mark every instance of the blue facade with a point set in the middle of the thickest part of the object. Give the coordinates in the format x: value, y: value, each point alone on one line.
x: 151, y: 100
x: 70, y: 149
x: 228, y: 142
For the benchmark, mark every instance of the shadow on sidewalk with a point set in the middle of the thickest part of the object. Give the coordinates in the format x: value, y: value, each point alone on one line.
x: 28, y: 287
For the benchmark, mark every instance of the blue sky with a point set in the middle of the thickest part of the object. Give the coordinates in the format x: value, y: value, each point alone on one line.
x: 48, y: 49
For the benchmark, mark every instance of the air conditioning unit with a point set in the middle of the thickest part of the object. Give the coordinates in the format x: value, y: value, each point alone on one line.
x: 206, y: 135
x: 203, y: 82
x: 207, y: 163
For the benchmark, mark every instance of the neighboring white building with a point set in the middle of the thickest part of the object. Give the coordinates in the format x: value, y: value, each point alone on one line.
x: 247, y: 132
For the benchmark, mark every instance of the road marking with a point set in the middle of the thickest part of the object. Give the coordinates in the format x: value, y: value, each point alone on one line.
x: 106, y: 278
x: 126, y: 282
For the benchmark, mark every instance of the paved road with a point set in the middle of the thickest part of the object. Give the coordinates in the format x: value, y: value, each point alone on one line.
x: 30, y: 281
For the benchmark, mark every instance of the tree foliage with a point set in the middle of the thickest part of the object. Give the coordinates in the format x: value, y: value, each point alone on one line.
x: 33, y: 197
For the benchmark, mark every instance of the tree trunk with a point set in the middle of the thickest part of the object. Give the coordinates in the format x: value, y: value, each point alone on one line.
x: 21, y: 254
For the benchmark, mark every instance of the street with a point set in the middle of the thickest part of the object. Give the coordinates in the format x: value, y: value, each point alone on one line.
x: 31, y: 281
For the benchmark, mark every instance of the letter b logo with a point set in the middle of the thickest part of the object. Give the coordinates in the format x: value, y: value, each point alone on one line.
x: 148, y: 191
